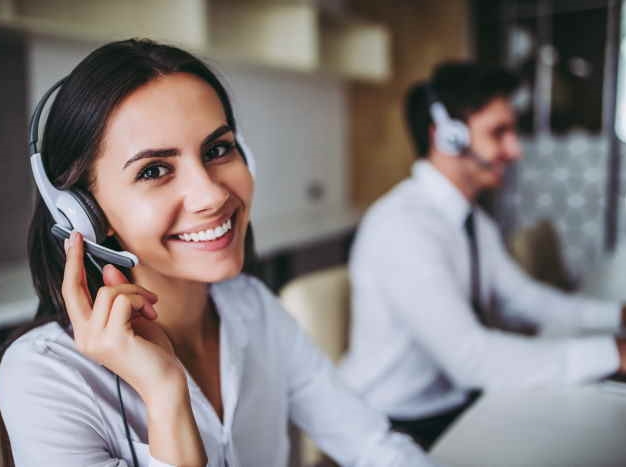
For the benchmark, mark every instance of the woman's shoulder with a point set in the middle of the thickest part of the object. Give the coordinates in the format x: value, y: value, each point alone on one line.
x: 36, y: 341
x: 45, y: 354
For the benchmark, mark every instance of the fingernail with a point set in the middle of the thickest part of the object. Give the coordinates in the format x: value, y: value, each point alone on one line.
x: 73, y: 238
x: 66, y: 245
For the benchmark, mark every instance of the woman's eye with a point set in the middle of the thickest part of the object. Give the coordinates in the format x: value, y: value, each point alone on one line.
x: 152, y: 172
x: 219, y: 150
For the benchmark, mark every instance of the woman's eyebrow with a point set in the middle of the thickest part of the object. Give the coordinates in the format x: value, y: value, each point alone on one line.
x: 222, y: 130
x: 171, y: 152
x: 149, y: 153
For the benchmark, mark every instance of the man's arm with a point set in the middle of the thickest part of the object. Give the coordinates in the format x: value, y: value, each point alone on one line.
x: 556, y: 312
x: 433, y: 304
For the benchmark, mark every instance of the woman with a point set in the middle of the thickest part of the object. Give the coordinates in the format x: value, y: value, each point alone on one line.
x: 211, y: 374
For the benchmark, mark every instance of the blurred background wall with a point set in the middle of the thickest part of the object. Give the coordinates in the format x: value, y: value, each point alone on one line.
x: 424, y: 34
x: 15, y: 192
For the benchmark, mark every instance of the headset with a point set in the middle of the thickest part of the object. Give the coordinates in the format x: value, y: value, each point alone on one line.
x: 452, y: 136
x: 76, y: 209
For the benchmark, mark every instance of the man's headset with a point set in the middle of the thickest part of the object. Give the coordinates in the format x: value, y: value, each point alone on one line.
x: 76, y: 209
x: 452, y: 136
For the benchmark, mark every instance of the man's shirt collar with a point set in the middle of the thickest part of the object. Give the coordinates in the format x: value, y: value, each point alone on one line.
x: 441, y: 191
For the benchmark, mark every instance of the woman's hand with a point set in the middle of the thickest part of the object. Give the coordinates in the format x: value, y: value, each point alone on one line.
x: 118, y: 330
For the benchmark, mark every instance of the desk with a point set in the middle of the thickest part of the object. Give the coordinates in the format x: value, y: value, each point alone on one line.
x: 567, y: 426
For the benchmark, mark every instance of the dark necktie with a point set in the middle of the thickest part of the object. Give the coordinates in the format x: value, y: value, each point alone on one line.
x: 470, y: 230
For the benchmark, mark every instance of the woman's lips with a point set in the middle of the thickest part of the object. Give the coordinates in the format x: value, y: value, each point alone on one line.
x: 210, y: 245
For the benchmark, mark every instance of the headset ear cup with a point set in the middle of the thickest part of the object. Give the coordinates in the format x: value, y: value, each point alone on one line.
x: 459, y: 136
x: 452, y: 137
x: 93, y: 212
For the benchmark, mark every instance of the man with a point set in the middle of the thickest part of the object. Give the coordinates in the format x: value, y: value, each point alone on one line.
x: 431, y: 276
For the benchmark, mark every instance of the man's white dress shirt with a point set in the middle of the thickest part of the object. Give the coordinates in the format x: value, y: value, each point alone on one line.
x: 61, y: 409
x: 416, y: 346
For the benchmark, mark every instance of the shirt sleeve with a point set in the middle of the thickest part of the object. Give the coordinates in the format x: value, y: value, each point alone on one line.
x: 50, y: 414
x: 556, y: 312
x: 423, y: 291
x: 340, y: 423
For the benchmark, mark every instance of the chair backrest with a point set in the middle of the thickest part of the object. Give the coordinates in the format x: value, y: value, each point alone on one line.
x: 320, y: 303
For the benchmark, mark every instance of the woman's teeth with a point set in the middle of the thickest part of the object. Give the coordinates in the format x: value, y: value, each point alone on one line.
x: 209, y: 234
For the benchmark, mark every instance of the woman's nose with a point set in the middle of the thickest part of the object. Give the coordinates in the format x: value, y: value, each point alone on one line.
x: 204, y: 192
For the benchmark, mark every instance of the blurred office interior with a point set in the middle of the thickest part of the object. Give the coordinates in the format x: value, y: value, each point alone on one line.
x: 318, y: 89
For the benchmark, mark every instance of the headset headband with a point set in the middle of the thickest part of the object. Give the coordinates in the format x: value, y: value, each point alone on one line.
x: 33, y: 128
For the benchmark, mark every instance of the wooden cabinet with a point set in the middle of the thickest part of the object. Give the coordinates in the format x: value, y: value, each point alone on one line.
x: 303, y: 36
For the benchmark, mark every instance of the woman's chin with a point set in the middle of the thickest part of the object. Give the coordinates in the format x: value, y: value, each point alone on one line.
x: 226, y: 269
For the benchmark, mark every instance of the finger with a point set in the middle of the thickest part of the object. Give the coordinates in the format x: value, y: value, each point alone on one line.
x: 106, y: 297
x: 131, y: 289
x: 114, y: 277
x: 103, y: 306
x: 74, y: 287
x: 122, y: 310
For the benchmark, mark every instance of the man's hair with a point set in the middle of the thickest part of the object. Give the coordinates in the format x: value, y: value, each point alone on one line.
x: 463, y: 87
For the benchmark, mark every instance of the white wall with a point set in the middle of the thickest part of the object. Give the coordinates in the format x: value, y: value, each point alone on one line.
x: 295, y: 123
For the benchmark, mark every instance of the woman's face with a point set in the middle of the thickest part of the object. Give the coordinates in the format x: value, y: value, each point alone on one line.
x: 171, y: 182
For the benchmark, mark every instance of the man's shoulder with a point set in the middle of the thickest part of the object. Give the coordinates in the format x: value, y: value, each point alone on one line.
x: 403, y: 222
x: 403, y: 201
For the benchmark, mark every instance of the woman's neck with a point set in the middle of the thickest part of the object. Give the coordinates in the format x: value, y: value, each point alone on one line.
x: 185, y: 309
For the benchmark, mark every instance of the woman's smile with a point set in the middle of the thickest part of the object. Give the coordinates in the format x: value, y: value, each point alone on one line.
x: 208, y: 237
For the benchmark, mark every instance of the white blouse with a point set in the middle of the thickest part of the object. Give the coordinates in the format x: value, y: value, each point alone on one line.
x: 61, y: 408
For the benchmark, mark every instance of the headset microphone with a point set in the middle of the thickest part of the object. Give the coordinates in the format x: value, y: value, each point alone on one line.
x: 485, y: 164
